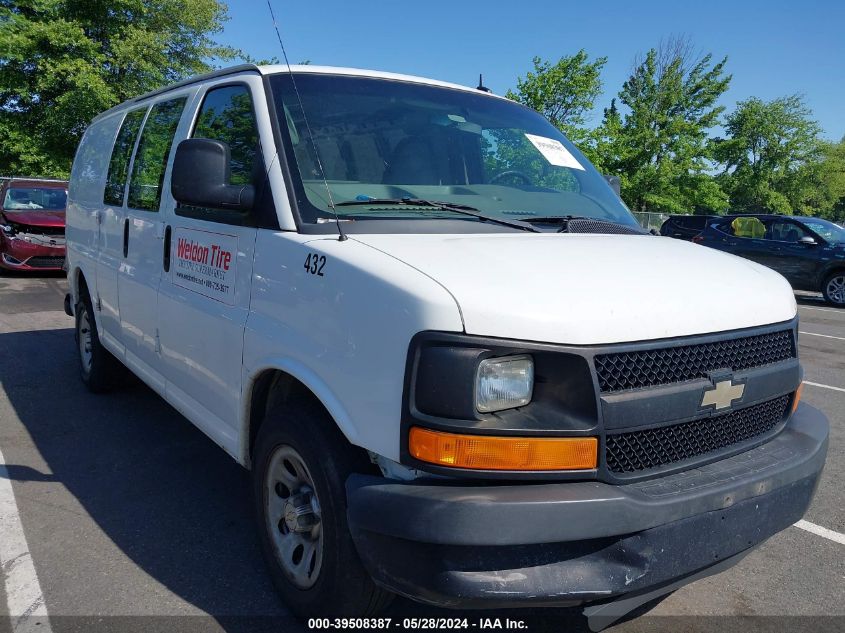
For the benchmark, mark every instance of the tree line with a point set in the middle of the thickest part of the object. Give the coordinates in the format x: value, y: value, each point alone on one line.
x: 677, y: 150
x: 64, y: 61
x: 665, y: 134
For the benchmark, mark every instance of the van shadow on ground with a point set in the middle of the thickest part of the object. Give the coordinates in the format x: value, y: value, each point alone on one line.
x: 170, y: 499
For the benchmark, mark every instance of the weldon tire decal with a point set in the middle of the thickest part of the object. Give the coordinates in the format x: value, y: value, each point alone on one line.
x: 205, y: 263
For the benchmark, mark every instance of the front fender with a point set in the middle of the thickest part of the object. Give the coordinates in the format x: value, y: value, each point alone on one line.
x: 310, y: 379
x: 343, y: 333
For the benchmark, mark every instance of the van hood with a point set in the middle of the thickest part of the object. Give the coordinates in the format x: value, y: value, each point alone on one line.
x: 591, y: 289
x: 35, y: 218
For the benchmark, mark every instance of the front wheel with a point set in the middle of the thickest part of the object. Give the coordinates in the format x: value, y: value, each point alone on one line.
x: 833, y: 288
x: 299, y: 475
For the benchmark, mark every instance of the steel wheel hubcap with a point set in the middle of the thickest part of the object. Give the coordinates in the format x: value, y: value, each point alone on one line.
x: 836, y: 289
x: 85, y: 340
x: 293, y: 517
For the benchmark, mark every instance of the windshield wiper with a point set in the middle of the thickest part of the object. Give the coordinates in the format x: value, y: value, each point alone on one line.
x: 445, y: 206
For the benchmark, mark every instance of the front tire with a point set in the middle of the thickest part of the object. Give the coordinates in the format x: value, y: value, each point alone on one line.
x: 299, y: 474
x: 99, y: 370
x: 833, y: 288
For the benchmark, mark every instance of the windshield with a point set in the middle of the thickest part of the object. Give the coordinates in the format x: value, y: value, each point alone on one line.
x: 35, y: 198
x: 391, y: 140
x: 828, y: 230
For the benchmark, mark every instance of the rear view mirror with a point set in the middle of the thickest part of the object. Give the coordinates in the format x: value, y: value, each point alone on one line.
x: 808, y: 241
x: 615, y: 184
x: 201, y: 175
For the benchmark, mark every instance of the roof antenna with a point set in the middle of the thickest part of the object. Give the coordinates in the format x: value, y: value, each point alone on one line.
x: 481, y: 85
x: 341, y: 235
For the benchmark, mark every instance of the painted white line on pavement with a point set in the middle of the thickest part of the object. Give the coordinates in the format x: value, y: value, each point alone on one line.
x: 821, y: 531
x: 838, y: 338
x: 822, y: 309
x: 27, y: 610
x: 818, y: 384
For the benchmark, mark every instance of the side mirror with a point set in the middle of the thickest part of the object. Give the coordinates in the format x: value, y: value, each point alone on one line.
x: 201, y: 174
x: 808, y: 241
x: 615, y: 184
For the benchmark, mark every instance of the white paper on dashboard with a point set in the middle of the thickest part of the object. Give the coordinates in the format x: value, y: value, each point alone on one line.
x: 554, y: 151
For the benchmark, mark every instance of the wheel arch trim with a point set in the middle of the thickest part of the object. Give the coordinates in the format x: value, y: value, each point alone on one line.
x: 309, y: 379
x: 829, y: 269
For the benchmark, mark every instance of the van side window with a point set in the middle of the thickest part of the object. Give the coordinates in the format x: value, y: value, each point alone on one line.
x: 226, y: 115
x: 119, y: 162
x: 151, y: 156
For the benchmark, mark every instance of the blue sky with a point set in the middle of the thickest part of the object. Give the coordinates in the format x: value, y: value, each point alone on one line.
x: 774, y: 48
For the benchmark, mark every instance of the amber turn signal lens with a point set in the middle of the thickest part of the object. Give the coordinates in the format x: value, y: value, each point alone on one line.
x: 485, y: 452
x: 797, y: 397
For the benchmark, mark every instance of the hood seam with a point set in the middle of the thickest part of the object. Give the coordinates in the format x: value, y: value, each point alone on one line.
x: 423, y: 273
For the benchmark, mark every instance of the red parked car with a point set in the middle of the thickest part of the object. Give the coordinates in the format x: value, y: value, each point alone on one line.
x: 32, y: 224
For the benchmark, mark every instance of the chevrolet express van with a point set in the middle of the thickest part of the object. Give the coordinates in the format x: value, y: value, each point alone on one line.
x: 439, y: 340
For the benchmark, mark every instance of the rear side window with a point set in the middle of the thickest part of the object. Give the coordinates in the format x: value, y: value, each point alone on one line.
x: 119, y: 163
x: 151, y: 156
x: 227, y: 115
x: 745, y: 226
x: 695, y: 222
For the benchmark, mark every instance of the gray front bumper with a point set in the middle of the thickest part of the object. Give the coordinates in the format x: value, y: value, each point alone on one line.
x: 570, y: 543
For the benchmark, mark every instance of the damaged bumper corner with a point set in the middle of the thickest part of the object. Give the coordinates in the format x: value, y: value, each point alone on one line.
x: 567, y: 544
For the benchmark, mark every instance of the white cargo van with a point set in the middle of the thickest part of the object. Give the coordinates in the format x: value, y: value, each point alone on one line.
x: 457, y: 368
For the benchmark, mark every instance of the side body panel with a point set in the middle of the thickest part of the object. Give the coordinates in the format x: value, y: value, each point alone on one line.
x: 204, y: 299
x: 799, y: 263
x: 110, y: 254
x: 85, y: 205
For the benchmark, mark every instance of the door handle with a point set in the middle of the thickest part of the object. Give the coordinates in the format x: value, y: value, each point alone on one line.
x: 125, y: 237
x: 166, y: 253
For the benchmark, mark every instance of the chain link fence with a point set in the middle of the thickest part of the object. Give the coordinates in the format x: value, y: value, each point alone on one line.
x: 649, y: 220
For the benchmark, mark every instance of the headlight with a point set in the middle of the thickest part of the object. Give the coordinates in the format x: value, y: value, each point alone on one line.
x: 504, y: 383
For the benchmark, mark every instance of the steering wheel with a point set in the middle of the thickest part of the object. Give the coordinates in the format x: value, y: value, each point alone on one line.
x: 508, y: 173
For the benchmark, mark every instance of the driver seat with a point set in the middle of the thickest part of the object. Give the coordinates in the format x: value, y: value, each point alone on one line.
x: 792, y: 234
x: 419, y: 160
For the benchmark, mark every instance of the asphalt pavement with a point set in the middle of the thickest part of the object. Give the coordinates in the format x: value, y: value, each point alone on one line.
x: 134, y: 520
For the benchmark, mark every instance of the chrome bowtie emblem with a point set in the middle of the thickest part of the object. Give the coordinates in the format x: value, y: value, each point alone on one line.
x: 723, y: 394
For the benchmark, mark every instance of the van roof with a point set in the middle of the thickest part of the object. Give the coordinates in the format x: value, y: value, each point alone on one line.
x: 274, y: 69
x: 359, y: 72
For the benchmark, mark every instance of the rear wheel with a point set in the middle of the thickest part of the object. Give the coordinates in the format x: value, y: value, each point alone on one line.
x: 299, y: 474
x: 833, y: 288
x: 99, y: 370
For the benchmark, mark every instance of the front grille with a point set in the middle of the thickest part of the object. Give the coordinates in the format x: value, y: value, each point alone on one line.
x: 43, y: 230
x: 652, y: 448
x: 45, y: 261
x: 662, y: 366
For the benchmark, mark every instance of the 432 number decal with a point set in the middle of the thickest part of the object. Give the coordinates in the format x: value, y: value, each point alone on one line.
x: 314, y: 264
